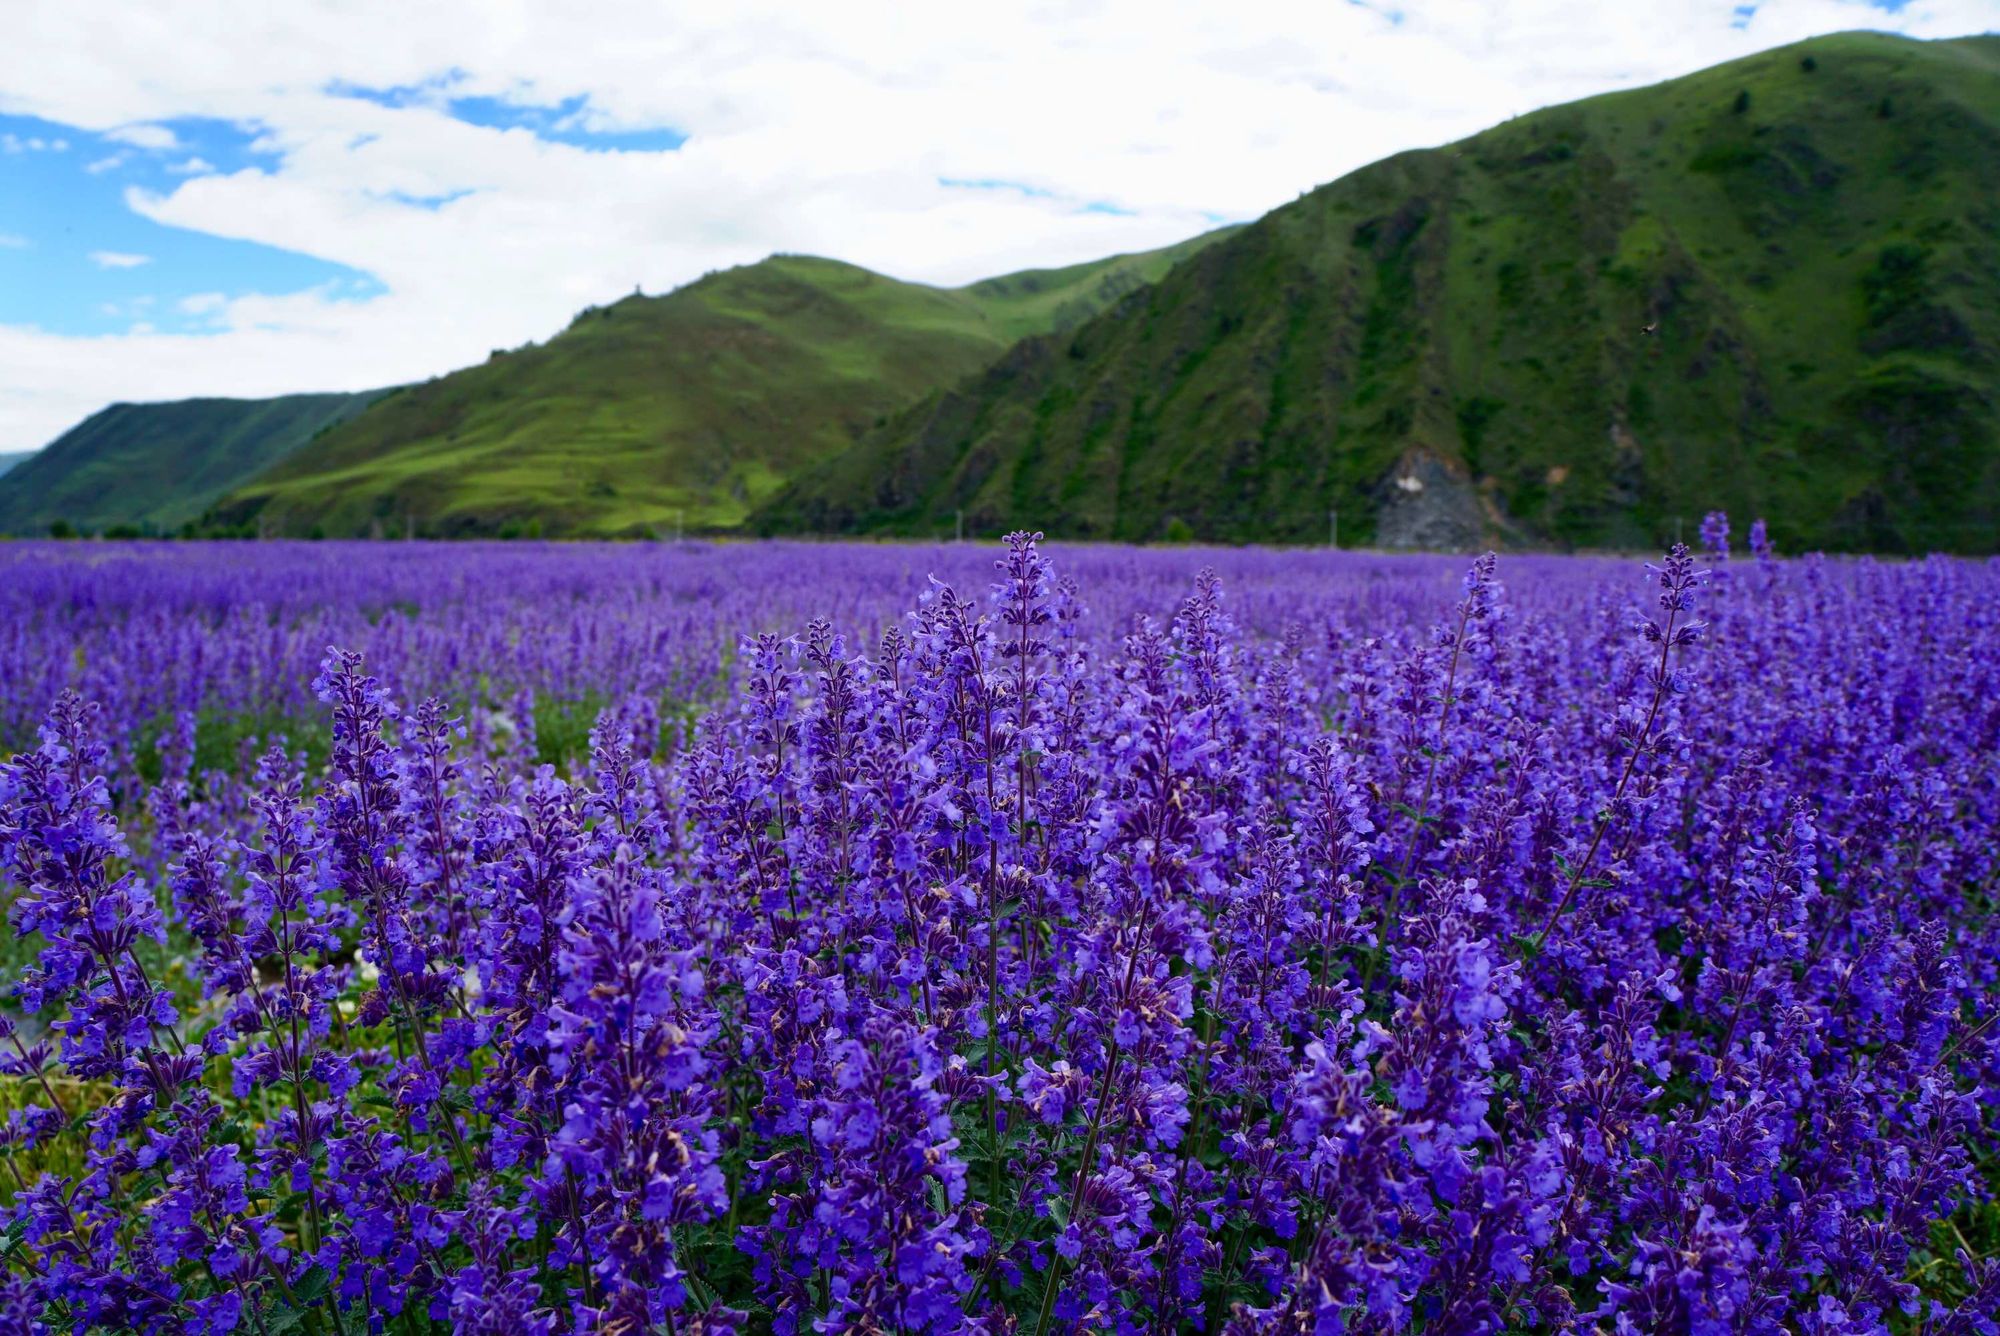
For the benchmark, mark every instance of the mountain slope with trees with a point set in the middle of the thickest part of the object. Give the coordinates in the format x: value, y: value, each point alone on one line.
x: 1772, y: 286
x: 155, y: 467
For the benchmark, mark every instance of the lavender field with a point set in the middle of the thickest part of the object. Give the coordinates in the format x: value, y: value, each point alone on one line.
x: 686, y: 939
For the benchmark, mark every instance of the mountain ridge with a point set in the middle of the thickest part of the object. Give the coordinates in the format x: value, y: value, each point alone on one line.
x: 1772, y: 286
x: 1768, y: 286
x: 157, y: 467
x: 662, y: 412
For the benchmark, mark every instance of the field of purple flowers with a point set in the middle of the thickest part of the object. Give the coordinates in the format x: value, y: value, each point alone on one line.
x: 885, y: 939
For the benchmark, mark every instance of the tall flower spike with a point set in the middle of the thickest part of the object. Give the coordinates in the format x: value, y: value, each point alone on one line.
x: 1715, y: 535
x: 1679, y: 580
x: 62, y: 848
x: 628, y: 1034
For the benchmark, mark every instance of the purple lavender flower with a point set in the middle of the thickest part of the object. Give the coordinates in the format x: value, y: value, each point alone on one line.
x: 1715, y: 536
x: 1244, y: 952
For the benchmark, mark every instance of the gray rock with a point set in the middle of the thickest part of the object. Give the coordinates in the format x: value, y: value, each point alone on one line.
x: 1424, y: 505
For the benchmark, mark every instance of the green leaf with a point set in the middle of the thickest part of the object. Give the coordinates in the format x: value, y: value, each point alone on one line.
x: 310, y: 1287
x: 282, y: 1319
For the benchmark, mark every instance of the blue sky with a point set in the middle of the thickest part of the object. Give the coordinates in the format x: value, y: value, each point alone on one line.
x: 78, y: 260
x: 573, y: 120
x: 220, y: 200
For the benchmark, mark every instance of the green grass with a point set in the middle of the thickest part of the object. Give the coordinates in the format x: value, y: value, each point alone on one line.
x: 1748, y: 288
x: 159, y: 466
x: 1051, y: 301
x: 687, y: 409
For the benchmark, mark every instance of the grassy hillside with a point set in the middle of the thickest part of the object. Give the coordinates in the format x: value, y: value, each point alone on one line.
x: 1773, y: 286
x: 656, y: 411
x: 158, y: 466
x: 8, y: 461
x: 1052, y: 301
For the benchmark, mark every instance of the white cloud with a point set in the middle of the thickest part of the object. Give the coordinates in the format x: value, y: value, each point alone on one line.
x: 144, y: 136
x: 202, y: 303
x: 9, y: 241
x: 824, y: 129
x: 192, y: 167
x: 118, y: 259
x: 102, y: 165
x: 138, y: 308
x: 13, y: 143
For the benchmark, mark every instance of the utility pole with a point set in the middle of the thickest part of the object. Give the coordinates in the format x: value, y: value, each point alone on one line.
x: 958, y: 526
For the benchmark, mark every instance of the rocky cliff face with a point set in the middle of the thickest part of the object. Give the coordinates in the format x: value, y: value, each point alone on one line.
x: 1424, y: 504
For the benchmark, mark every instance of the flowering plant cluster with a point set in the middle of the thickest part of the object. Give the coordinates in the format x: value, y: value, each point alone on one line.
x: 1371, y: 953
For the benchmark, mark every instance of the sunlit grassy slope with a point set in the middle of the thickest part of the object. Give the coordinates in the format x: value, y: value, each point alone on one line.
x: 685, y: 409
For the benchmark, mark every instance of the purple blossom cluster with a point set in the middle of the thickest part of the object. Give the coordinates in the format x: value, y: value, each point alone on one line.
x: 1294, y: 945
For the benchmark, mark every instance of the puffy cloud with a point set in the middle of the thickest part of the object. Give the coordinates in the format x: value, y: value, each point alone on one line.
x: 13, y: 143
x: 118, y: 259
x: 144, y: 136
x: 831, y: 129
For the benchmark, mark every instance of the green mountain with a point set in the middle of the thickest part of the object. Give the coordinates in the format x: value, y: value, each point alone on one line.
x: 1773, y: 287
x: 8, y: 461
x: 157, y: 466
x: 661, y: 411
